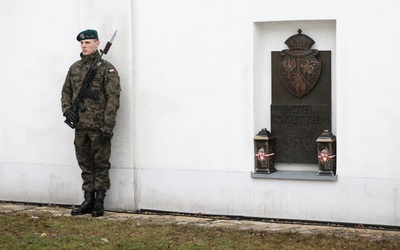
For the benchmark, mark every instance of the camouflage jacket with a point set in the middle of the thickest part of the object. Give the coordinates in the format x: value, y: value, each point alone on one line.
x: 100, y: 113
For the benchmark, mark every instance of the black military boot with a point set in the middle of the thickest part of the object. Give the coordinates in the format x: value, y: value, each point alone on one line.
x: 87, y: 205
x: 98, y: 209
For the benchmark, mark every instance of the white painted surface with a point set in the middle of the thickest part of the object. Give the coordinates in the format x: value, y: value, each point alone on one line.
x: 193, y: 74
x: 38, y: 45
x: 349, y: 199
x: 60, y: 184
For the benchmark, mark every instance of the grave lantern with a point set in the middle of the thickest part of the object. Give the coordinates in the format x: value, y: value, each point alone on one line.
x: 264, y: 147
x: 326, y: 148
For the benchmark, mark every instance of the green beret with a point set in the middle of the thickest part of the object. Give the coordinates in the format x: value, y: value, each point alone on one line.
x: 87, y: 34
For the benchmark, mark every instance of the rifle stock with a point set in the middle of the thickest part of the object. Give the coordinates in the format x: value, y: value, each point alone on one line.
x: 70, y: 123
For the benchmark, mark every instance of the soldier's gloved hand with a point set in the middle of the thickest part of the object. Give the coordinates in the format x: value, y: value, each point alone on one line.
x: 71, y: 115
x: 104, y: 138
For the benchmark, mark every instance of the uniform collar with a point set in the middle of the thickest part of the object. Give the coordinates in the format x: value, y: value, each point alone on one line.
x: 90, y: 58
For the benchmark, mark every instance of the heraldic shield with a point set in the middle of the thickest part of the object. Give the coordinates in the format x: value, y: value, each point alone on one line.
x: 299, y: 70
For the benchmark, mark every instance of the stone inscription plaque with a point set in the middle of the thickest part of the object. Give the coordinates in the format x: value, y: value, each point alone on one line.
x: 296, y: 128
x: 301, y: 100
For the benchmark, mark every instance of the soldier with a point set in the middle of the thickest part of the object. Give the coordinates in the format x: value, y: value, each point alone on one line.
x: 94, y: 126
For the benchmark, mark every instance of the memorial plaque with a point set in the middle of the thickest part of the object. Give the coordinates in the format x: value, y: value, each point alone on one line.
x: 301, y: 99
x: 296, y: 127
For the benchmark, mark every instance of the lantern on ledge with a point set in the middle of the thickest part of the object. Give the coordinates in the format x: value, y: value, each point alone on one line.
x: 264, y: 147
x: 326, y: 148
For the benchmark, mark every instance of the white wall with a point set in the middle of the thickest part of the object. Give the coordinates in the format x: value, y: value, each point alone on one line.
x: 197, y: 74
x: 37, y: 158
x: 194, y: 78
x: 190, y: 73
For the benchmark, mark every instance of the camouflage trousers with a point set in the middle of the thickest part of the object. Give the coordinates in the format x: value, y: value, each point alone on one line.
x: 93, y: 159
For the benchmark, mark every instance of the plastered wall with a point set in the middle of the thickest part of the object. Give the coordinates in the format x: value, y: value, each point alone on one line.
x: 194, y: 75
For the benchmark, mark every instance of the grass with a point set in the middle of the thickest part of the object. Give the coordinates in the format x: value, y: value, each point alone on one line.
x: 22, y: 231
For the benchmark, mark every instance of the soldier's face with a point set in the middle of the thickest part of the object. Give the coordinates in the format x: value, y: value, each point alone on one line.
x: 89, y: 46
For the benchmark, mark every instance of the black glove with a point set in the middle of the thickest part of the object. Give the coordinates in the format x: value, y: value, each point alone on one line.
x: 71, y: 115
x: 104, y: 138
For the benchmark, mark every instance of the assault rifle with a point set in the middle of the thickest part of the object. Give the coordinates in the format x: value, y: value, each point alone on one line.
x: 85, y: 91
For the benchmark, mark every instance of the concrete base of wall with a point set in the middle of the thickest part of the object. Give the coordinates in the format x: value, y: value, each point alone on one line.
x: 25, y: 182
x: 347, y: 200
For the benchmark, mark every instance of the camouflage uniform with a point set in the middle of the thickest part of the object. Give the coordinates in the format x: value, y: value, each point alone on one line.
x: 98, y: 118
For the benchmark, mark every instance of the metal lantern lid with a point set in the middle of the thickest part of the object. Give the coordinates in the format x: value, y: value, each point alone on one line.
x: 264, y: 134
x: 326, y: 136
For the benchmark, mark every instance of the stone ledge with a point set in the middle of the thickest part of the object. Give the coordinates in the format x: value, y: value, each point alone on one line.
x: 294, y: 175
